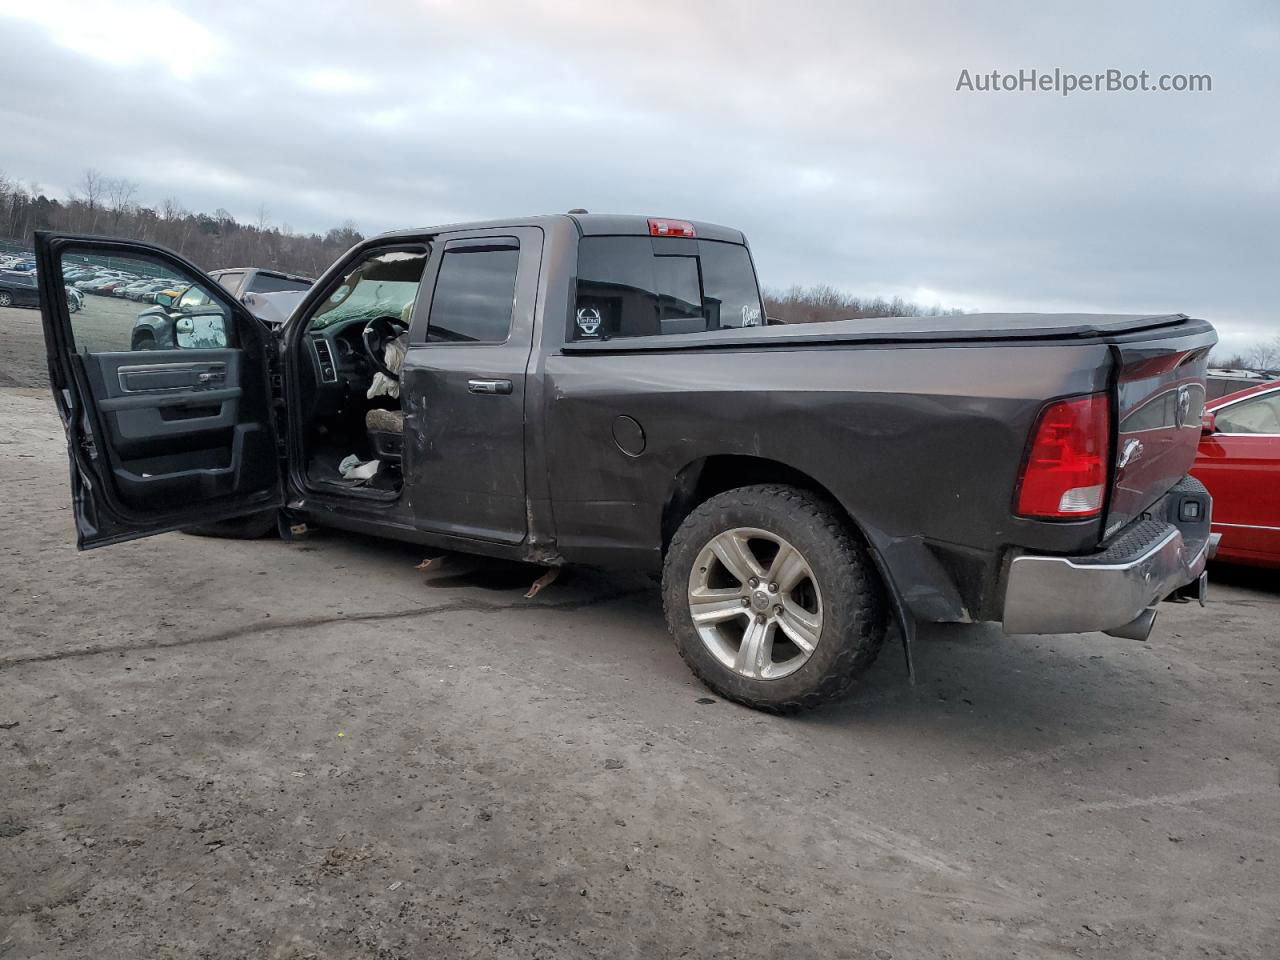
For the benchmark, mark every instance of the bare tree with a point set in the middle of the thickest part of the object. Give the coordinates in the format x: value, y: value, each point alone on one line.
x: 1235, y: 361
x: 1265, y: 354
x: 120, y: 193
x: 92, y: 187
x: 171, y: 209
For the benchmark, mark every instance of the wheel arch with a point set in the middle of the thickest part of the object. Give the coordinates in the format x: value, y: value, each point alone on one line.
x: 701, y: 479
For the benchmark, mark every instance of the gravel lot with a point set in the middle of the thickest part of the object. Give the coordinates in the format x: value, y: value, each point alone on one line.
x: 225, y: 749
x: 22, y: 362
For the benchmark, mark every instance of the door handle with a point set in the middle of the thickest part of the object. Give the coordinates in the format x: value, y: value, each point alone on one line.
x: 489, y: 386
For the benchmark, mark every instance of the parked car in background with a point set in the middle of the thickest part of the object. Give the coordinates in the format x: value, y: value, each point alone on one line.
x: 135, y: 291
x: 18, y: 289
x: 145, y: 290
x: 1239, y: 461
x: 269, y: 294
x: 172, y: 290
x: 155, y: 327
x: 241, y: 280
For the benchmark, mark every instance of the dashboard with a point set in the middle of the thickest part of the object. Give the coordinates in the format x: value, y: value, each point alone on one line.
x: 337, y: 368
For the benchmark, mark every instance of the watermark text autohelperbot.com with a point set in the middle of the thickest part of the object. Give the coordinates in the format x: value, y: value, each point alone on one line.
x: 1065, y: 82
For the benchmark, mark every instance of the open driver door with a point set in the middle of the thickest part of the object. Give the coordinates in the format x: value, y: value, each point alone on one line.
x: 166, y: 400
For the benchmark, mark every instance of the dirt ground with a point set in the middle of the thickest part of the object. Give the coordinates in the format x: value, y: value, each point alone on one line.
x: 22, y: 362
x: 287, y: 750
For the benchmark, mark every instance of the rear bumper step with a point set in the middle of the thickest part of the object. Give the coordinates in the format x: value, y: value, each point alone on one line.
x: 1161, y: 556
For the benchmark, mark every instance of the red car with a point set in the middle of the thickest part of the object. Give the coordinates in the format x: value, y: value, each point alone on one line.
x: 1239, y: 461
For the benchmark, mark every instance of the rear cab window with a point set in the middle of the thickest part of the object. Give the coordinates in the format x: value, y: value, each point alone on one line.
x: 639, y: 286
x: 270, y: 283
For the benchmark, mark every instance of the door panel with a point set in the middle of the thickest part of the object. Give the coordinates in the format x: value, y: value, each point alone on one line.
x: 1242, y: 474
x: 167, y: 405
x: 464, y: 377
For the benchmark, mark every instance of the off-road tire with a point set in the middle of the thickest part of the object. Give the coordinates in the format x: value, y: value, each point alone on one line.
x: 253, y: 527
x: 855, y: 610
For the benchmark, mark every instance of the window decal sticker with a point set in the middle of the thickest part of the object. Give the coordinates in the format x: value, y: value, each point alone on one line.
x: 589, y: 321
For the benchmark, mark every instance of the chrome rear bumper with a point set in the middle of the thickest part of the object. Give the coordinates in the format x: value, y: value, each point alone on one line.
x: 1104, y: 591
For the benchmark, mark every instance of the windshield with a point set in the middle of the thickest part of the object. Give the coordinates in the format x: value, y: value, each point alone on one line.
x: 383, y: 285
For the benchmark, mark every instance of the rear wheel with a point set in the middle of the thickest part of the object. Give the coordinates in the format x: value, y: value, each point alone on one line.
x: 772, y: 599
x: 6, y: 298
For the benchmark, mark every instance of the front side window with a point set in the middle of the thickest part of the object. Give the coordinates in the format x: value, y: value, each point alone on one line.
x: 193, y: 298
x: 185, y: 317
x: 474, y: 294
x: 630, y: 287
x: 383, y: 284
x: 1257, y: 415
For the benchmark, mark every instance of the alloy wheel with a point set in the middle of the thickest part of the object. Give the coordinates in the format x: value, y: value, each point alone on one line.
x: 756, y: 603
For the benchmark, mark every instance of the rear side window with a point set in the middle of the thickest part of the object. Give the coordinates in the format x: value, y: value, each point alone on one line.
x: 632, y: 287
x: 474, y: 293
x: 266, y: 283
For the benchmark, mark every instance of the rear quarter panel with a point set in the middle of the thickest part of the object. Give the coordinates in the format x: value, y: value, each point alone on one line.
x: 921, y: 444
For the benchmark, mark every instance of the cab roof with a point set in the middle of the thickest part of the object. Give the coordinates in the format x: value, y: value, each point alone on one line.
x: 1263, y: 387
x: 587, y: 224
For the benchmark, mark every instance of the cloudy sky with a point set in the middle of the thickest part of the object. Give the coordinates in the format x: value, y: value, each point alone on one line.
x: 832, y: 132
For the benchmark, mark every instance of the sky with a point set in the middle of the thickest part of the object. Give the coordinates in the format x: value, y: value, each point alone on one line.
x: 832, y: 133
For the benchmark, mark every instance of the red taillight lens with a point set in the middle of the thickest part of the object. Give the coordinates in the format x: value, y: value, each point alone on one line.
x: 1065, y: 476
x: 670, y: 228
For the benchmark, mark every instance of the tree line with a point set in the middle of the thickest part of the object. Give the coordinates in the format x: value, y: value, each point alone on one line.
x: 1263, y: 356
x: 109, y: 206
x: 824, y: 302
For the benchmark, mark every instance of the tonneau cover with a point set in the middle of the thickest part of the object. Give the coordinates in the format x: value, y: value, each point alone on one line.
x: 959, y: 327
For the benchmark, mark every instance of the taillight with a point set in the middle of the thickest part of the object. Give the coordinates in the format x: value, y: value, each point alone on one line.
x: 1065, y: 474
x: 670, y: 228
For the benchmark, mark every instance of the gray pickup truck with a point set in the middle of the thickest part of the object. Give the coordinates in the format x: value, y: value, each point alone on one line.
x: 606, y: 390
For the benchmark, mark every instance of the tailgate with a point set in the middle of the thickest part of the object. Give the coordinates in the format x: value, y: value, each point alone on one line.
x: 1160, y: 394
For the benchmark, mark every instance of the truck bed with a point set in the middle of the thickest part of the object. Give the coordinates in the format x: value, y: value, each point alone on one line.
x: 968, y: 327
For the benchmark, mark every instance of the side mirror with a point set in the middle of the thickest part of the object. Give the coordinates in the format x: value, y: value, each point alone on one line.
x: 207, y: 331
x: 164, y: 299
x: 1208, y: 423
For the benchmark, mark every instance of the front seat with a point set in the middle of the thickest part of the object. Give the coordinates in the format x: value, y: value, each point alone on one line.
x: 386, y: 432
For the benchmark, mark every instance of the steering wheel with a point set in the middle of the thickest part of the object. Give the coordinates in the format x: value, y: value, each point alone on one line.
x: 377, y: 333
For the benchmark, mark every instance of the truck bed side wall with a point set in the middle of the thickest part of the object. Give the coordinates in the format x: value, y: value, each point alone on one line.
x: 906, y: 438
